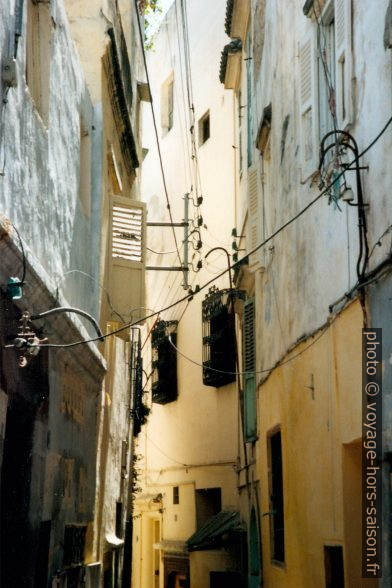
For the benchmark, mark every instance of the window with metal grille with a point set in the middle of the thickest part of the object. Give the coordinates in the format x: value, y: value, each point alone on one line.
x: 219, y: 363
x: 249, y: 366
x: 164, y: 362
x: 139, y: 410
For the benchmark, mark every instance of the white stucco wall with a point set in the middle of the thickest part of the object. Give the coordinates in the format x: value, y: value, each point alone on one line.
x: 312, y: 262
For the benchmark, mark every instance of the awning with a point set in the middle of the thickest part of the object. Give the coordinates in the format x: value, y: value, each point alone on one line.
x: 211, y: 533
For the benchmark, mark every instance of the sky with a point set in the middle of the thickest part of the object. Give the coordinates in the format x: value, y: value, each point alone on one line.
x: 157, y: 19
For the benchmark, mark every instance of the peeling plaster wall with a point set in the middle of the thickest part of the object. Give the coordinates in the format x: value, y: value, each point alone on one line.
x: 40, y: 187
x: 312, y: 263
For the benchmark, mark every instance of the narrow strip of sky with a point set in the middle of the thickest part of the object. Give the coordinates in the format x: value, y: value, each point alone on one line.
x: 156, y: 19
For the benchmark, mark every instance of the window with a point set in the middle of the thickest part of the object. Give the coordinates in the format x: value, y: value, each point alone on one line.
x: 219, y: 365
x: 164, y: 362
x: 38, y: 55
x: 325, y: 77
x: 249, y: 365
x: 276, y: 497
x: 167, y: 104
x: 204, y: 128
x: 74, y: 543
x: 127, y: 252
x: 208, y: 504
x: 326, y: 71
x: 176, y: 495
x: 334, y: 567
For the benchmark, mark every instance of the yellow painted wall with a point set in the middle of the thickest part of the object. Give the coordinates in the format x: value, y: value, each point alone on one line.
x: 321, y: 461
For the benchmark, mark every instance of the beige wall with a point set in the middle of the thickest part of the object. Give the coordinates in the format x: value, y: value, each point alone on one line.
x: 192, y: 442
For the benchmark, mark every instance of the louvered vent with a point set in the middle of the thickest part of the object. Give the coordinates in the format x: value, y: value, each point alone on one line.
x: 127, y: 228
x: 306, y: 72
x: 253, y: 230
x: 125, y: 282
x: 249, y: 365
x: 340, y: 21
x: 249, y: 337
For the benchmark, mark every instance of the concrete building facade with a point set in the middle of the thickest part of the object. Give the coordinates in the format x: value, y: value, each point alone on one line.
x: 72, y: 237
x: 308, y: 69
x: 303, y: 108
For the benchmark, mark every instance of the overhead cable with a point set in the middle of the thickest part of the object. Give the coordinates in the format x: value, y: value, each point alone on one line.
x: 243, y: 259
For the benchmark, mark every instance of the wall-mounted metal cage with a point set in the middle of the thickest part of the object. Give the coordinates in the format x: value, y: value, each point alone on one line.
x: 164, y: 362
x: 218, y: 338
x: 139, y: 411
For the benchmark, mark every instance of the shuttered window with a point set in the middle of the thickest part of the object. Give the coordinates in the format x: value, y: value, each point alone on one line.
x: 325, y: 73
x: 308, y: 106
x: 254, y: 215
x: 127, y: 229
x: 343, y: 62
x: 126, y: 256
x: 249, y: 366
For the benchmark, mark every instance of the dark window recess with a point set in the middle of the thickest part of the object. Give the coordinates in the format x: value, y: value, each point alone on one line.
x: 139, y: 411
x: 176, y: 495
x: 119, y: 513
x: 276, y: 499
x: 208, y: 504
x: 204, y: 128
x: 334, y: 567
x: 74, y: 544
x: 164, y: 362
x: 218, y: 339
x: 41, y: 566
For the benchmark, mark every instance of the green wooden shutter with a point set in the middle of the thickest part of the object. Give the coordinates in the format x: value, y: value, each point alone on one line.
x: 249, y: 363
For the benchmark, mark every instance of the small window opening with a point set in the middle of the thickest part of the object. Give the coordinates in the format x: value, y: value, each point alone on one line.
x: 176, y: 495
x: 276, y: 498
x: 208, y: 504
x: 204, y: 128
x: 334, y: 567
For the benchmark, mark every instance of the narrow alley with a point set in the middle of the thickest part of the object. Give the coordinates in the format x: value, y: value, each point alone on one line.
x: 195, y: 287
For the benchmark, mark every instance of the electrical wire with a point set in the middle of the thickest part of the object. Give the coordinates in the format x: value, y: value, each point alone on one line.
x: 223, y: 272
x: 165, y: 454
x: 378, y: 242
x: 156, y: 133
x: 83, y: 273
x: 160, y: 252
x: 277, y: 364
